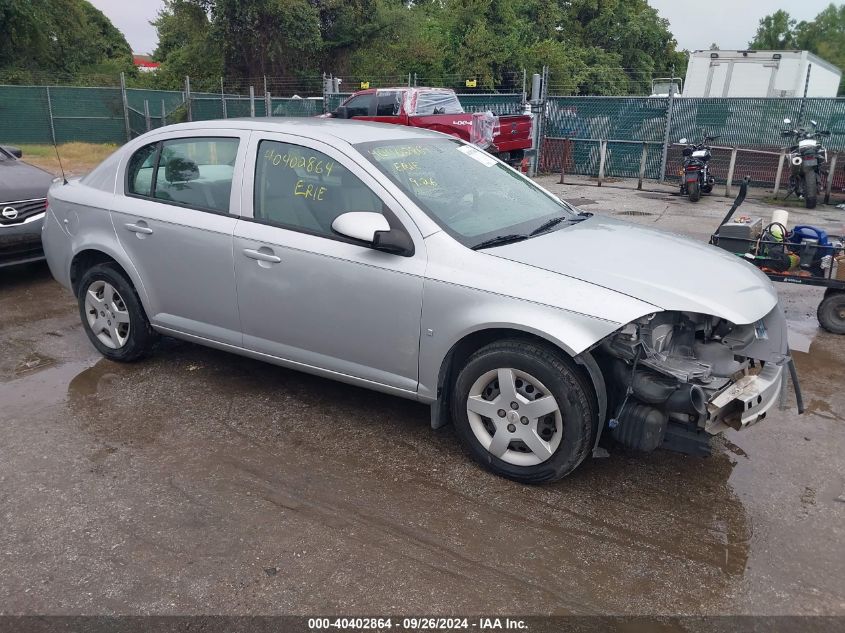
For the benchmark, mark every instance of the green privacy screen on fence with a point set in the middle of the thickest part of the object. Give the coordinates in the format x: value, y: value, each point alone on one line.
x: 634, y: 128
x: 97, y: 115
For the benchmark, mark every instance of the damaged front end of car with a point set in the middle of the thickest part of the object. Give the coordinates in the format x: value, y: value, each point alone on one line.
x: 676, y: 378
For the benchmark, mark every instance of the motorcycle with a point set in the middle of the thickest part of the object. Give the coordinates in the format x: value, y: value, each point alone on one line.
x: 695, y: 177
x: 807, y: 158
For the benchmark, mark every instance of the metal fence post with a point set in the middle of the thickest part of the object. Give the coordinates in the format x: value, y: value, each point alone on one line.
x: 642, y: 166
x: 223, y: 99
x: 602, y: 157
x: 125, y: 106
x: 563, y: 159
x: 188, y: 98
x: 666, y: 134
x: 731, y: 166
x: 147, y: 115
x: 252, y: 102
x: 50, y: 114
x: 830, y: 176
x: 163, y: 114
x: 779, y: 173
x: 268, y: 104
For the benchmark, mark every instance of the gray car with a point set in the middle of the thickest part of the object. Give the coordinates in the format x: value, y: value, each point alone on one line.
x: 412, y: 263
x: 23, y: 198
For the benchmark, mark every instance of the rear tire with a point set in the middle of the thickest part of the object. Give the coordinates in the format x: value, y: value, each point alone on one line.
x: 831, y: 312
x: 694, y: 190
x: 112, y: 314
x: 811, y: 192
x: 555, y: 412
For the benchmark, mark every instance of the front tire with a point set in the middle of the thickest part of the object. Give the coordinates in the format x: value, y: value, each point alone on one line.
x: 694, y: 190
x: 524, y: 411
x: 811, y: 192
x: 112, y: 314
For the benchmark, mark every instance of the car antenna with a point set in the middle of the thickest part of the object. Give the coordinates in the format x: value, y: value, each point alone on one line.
x: 61, y: 167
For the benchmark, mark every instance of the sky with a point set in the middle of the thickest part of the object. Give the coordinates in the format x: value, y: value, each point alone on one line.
x: 728, y: 23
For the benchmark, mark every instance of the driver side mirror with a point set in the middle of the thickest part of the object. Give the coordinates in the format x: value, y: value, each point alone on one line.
x: 374, y: 230
x: 341, y: 112
x: 683, y: 141
x: 14, y: 151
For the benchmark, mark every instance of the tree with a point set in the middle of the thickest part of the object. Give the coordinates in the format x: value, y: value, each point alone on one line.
x: 824, y: 35
x: 68, y: 37
x: 775, y: 32
x: 186, y: 47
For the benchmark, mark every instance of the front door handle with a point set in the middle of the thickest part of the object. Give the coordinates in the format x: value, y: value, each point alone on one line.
x: 140, y: 228
x: 262, y: 255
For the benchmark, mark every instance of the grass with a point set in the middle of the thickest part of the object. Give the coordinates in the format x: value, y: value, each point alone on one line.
x: 77, y: 158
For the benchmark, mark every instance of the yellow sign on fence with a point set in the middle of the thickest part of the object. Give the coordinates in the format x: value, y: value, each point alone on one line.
x: 365, y: 85
x: 472, y: 83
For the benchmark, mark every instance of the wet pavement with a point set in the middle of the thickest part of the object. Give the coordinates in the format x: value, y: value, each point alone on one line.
x: 200, y: 482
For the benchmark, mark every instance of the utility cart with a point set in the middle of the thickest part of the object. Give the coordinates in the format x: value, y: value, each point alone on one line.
x: 801, y: 255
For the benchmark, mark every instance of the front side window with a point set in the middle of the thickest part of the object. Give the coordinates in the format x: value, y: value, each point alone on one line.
x: 359, y: 106
x: 466, y: 191
x: 197, y: 172
x: 302, y: 189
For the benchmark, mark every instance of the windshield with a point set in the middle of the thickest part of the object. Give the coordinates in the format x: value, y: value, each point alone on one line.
x: 473, y: 196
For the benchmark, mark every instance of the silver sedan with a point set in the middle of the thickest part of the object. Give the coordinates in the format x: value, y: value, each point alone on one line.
x: 412, y: 263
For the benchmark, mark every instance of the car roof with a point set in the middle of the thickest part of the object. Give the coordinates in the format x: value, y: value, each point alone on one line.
x: 323, y: 129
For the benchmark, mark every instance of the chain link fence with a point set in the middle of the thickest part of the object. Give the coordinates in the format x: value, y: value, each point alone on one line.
x: 600, y: 137
x: 637, y: 137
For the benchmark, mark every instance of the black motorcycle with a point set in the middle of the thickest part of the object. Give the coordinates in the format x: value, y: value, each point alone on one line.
x: 807, y: 158
x: 696, y: 178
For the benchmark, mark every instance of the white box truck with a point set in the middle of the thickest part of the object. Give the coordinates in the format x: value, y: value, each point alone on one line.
x: 719, y: 73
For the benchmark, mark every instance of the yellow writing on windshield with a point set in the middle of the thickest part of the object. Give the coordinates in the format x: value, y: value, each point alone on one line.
x: 399, y: 151
x: 405, y: 166
x: 423, y: 182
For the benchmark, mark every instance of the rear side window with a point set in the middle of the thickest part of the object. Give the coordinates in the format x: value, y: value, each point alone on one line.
x: 301, y: 189
x: 387, y: 103
x: 192, y: 172
x: 437, y: 102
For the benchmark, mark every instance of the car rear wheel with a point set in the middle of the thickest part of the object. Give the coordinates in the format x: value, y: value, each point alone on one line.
x: 112, y: 315
x: 524, y: 411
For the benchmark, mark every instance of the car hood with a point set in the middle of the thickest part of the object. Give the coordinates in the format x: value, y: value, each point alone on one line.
x: 660, y: 268
x: 20, y: 181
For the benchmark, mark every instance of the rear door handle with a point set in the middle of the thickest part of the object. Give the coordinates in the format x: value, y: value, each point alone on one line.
x: 262, y: 256
x: 141, y: 228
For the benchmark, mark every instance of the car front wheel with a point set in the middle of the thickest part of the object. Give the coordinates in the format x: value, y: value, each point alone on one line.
x: 523, y: 410
x: 112, y: 315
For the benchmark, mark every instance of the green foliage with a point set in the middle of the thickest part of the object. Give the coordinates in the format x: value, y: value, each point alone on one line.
x: 58, y: 37
x: 776, y: 32
x: 824, y: 35
x: 591, y: 46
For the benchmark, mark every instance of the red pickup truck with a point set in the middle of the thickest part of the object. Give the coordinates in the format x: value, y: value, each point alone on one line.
x: 509, y: 136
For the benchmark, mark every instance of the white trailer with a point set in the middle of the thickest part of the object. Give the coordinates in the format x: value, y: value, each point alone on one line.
x: 719, y: 73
